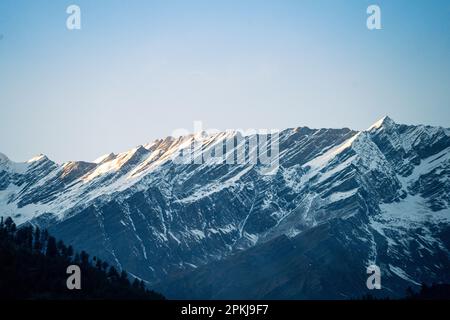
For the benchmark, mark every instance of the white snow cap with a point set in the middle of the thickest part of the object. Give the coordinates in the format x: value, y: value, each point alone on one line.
x: 383, y: 122
x: 105, y: 158
x: 37, y: 158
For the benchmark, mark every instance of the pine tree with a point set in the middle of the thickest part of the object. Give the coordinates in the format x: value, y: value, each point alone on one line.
x: 136, y: 284
x: 76, y: 259
x: 62, y: 249
x: 99, y: 264
x: 84, y: 258
x: 10, y: 225
x: 44, y: 238
x: 69, y: 251
x: 124, y: 278
x: 52, y: 250
x: 113, y: 274
x: 29, y: 237
x: 37, y: 240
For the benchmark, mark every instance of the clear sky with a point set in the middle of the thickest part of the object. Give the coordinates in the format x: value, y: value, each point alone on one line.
x: 138, y: 70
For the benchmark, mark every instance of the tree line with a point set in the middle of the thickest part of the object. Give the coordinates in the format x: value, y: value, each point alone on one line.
x: 33, y: 265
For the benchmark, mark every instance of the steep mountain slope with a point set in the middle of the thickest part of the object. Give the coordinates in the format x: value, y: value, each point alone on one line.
x: 383, y: 192
x: 380, y: 198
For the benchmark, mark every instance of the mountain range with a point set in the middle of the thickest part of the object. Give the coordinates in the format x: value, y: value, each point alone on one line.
x: 341, y: 200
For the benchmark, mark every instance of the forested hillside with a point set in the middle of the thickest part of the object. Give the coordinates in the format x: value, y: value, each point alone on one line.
x: 33, y: 265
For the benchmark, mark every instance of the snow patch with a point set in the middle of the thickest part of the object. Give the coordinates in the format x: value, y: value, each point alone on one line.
x: 402, y: 274
x: 337, y: 196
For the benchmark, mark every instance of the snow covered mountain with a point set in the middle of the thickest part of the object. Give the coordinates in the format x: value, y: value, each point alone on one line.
x: 340, y: 201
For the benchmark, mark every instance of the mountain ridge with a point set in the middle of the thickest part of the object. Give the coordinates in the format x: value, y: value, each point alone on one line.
x: 156, y: 218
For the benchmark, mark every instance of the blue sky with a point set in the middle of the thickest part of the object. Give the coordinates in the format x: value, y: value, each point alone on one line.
x: 138, y: 70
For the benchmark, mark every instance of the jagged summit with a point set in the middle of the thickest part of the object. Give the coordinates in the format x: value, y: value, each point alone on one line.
x: 169, y: 140
x: 37, y: 158
x: 104, y: 158
x: 385, y: 122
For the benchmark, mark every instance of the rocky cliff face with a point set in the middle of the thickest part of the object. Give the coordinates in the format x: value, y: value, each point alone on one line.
x: 340, y: 200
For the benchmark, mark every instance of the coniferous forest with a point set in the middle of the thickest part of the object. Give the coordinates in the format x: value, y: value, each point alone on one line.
x: 33, y: 265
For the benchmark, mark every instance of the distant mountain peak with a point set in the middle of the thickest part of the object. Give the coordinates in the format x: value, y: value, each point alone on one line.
x: 37, y: 158
x: 385, y: 122
x: 105, y: 158
x: 3, y: 158
x: 140, y: 149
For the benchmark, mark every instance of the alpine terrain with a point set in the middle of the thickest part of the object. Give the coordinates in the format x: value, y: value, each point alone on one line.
x: 341, y: 200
